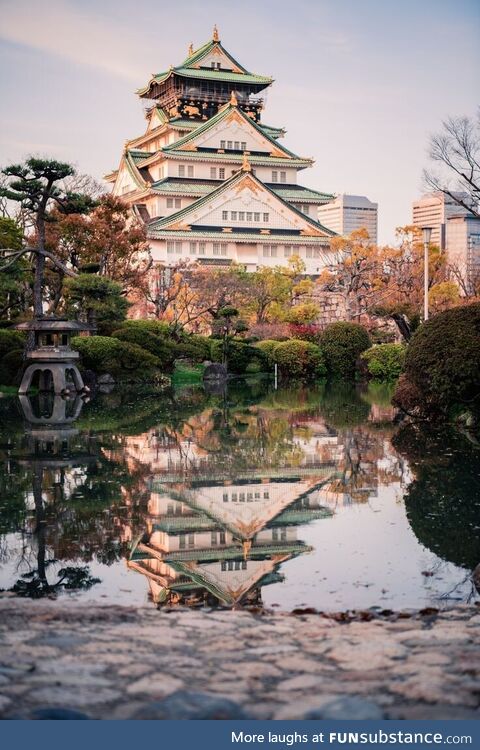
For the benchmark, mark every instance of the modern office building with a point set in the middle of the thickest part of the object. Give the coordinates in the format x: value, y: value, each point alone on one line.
x: 433, y: 210
x: 211, y: 180
x: 463, y: 251
x: 348, y: 212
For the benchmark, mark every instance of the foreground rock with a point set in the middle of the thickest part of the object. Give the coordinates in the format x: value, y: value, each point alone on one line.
x: 62, y: 659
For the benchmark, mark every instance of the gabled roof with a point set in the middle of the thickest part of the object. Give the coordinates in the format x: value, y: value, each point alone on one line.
x: 232, y: 112
x: 191, y: 68
x: 197, y: 188
x: 180, y: 218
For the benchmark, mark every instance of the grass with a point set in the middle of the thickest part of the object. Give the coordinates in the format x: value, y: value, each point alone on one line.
x: 187, y: 375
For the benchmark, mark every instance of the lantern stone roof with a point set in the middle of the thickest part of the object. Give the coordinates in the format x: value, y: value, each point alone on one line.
x: 52, y: 324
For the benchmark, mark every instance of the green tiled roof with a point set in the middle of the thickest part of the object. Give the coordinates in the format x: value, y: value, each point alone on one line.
x: 162, y: 224
x: 222, y: 114
x: 199, y: 188
x: 138, y: 155
x: 207, y: 74
x: 198, y: 54
x: 237, y: 158
x: 300, y: 193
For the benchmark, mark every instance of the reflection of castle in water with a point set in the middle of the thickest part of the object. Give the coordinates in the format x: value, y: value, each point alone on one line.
x: 222, y: 542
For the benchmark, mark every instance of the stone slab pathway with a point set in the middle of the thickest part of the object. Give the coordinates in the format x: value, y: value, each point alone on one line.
x: 119, y: 663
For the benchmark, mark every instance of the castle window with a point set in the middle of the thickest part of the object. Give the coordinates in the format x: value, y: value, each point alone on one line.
x: 256, y: 217
x: 274, y: 176
x: 178, y: 202
x: 222, y: 537
x: 287, y: 251
x: 283, y: 176
x: 221, y: 173
x: 223, y: 565
x: 181, y: 541
x: 244, y: 564
x: 274, y: 251
x: 234, y: 497
x: 241, y: 215
x: 266, y: 495
x: 244, y: 145
x: 190, y: 171
x: 266, y: 217
x: 229, y: 144
x: 233, y: 215
x: 224, y: 215
x: 213, y: 538
x: 241, y: 497
x: 236, y: 145
x: 170, y: 247
x: 201, y: 248
x: 169, y: 202
x: 193, y: 248
x: 213, y: 173
x: 222, y: 144
x: 181, y: 170
x: 225, y: 497
x: 178, y: 248
x: 249, y: 216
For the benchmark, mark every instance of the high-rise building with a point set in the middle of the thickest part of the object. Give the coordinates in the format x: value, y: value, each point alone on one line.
x: 463, y: 250
x: 212, y: 181
x: 433, y: 210
x: 348, y: 212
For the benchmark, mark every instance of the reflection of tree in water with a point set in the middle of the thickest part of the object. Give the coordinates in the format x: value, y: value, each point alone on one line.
x: 443, y: 500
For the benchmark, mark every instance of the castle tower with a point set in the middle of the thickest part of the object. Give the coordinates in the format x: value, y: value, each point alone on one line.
x: 211, y: 180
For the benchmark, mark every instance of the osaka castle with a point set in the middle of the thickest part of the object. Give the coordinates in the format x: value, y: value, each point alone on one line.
x: 213, y: 183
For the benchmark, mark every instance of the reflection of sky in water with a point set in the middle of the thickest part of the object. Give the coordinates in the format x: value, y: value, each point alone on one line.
x: 366, y: 554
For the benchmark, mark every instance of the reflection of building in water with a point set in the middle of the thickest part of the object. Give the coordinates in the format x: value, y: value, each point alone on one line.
x: 221, y: 543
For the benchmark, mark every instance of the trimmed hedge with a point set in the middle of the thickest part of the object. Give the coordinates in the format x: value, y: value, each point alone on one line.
x: 268, y: 348
x: 342, y: 343
x: 194, y: 347
x: 384, y: 361
x: 242, y: 357
x: 157, y: 327
x: 11, y: 340
x: 121, y: 359
x: 10, y: 366
x: 159, y: 346
x: 442, y: 365
x: 297, y: 358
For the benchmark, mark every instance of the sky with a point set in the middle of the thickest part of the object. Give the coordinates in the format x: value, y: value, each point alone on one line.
x: 360, y: 85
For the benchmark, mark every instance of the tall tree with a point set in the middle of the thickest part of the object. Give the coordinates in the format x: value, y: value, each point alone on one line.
x: 455, y: 153
x: 36, y: 186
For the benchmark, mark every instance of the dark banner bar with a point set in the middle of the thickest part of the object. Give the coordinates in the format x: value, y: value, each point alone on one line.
x: 223, y: 735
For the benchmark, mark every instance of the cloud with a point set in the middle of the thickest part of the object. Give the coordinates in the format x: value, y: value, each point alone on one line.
x: 69, y: 31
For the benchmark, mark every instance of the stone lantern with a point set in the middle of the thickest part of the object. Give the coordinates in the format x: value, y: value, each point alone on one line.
x: 52, y: 356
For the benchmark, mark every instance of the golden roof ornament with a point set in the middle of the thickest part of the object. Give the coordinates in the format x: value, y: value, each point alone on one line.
x: 247, y: 545
x: 190, y: 49
x: 246, y: 167
x: 215, y: 36
x: 233, y: 99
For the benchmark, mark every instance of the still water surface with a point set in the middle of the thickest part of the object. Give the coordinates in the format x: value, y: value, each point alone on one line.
x: 295, y: 498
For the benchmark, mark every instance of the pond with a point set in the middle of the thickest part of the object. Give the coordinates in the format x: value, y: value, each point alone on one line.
x: 301, y: 497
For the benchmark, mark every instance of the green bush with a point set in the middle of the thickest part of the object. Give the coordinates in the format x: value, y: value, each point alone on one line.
x: 442, y: 365
x: 10, y: 340
x: 196, y: 348
x: 384, y: 361
x: 268, y: 348
x: 157, y: 327
x: 159, y: 346
x: 298, y: 358
x: 342, y: 343
x: 241, y: 357
x: 10, y: 365
x: 121, y: 359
